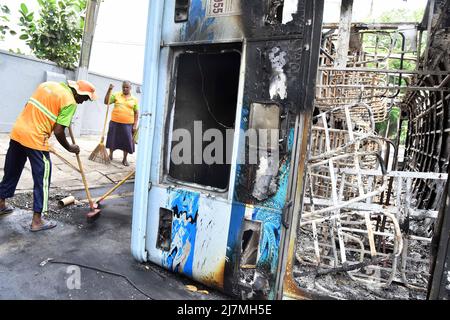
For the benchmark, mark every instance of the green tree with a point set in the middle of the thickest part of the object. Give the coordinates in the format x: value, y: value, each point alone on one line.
x: 56, y: 35
x: 5, y: 22
x: 402, y: 15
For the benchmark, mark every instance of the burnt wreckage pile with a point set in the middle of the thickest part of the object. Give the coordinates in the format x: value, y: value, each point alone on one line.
x: 368, y: 219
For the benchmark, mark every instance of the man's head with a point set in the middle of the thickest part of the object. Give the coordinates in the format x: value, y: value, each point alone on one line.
x: 82, y: 90
x: 126, y: 87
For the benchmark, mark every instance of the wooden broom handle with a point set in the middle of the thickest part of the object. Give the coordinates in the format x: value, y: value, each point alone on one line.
x: 106, y: 121
x: 64, y: 160
x: 107, y: 194
x: 81, y: 170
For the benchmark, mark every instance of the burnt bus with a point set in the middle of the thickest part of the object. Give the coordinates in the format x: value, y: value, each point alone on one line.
x: 214, y: 71
x: 241, y: 185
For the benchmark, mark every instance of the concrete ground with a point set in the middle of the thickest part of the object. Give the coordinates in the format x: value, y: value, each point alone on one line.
x: 105, y: 244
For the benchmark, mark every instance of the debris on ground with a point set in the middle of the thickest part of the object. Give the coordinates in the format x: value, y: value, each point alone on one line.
x: 25, y: 201
x: 191, y: 288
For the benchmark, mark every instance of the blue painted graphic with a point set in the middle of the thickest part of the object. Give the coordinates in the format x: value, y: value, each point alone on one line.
x: 270, y: 240
x: 198, y: 24
x: 184, y: 205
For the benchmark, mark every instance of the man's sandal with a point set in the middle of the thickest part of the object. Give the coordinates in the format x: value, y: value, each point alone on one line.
x: 46, y: 226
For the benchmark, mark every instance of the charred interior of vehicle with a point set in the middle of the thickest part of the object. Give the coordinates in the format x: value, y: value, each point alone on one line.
x: 375, y: 182
x: 347, y: 201
x: 204, y: 101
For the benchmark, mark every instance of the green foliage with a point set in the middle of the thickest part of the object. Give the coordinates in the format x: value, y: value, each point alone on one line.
x: 402, y: 15
x: 16, y: 51
x: 4, y: 22
x: 56, y: 35
x: 394, y: 116
x: 404, y: 132
x: 397, y: 15
x: 383, y: 126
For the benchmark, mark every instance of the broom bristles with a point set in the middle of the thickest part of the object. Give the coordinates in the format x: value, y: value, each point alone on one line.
x: 100, y: 155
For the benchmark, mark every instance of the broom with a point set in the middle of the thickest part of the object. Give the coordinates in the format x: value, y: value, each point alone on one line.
x: 100, y: 154
x: 135, y: 136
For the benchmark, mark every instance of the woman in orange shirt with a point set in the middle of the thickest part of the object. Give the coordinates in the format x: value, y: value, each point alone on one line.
x: 124, y: 120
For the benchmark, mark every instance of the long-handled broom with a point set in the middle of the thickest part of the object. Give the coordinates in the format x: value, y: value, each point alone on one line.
x: 100, y: 154
x: 95, y: 211
x: 109, y: 192
x: 136, y: 135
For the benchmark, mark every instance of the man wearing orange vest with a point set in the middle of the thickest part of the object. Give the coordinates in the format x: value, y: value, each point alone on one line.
x: 50, y: 109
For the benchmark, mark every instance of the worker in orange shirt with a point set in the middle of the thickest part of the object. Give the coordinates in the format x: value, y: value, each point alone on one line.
x: 50, y: 109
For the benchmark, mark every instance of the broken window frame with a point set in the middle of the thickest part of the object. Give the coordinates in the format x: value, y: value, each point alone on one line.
x: 174, y: 57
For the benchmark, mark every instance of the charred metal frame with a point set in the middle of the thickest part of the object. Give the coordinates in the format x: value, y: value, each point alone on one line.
x: 336, y: 189
x: 349, y: 223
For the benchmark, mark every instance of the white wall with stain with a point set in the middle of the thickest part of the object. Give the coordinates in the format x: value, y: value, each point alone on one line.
x: 211, y: 240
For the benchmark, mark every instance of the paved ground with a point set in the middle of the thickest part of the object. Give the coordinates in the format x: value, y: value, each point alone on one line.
x: 104, y: 244
x: 64, y: 177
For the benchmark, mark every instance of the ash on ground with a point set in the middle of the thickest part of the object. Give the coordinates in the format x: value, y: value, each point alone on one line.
x: 341, y: 286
